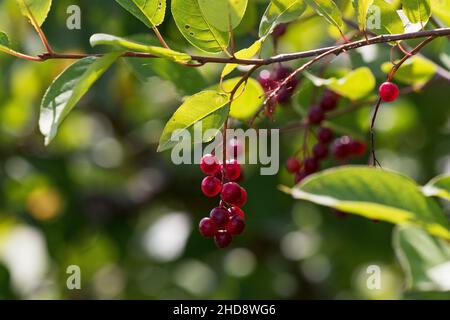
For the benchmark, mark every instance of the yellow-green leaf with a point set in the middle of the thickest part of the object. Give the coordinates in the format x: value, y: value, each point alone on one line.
x: 329, y: 10
x: 225, y: 15
x: 438, y: 187
x: 362, y: 8
x: 280, y: 11
x: 416, y: 70
x: 35, y: 10
x: 150, y: 12
x: 246, y: 53
x: 417, y: 11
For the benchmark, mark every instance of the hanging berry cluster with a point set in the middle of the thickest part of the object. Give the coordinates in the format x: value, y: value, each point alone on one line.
x: 342, y: 148
x: 227, y: 219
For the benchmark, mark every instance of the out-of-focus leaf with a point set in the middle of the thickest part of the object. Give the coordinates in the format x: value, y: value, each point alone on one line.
x: 208, y: 108
x: 416, y: 70
x: 246, y: 53
x: 425, y: 259
x: 194, y: 27
x: 150, y: 12
x: 441, y: 9
x: 355, y: 85
x: 384, y: 19
x: 375, y: 194
x: 125, y: 44
x: 417, y: 11
x: 362, y: 8
x: 280, y: 11
x: 4, y: 43
x: 36, y: 10
x: 70, y: 86
x: 329, y: 10
x: 224, y: 15
x: 438, y: 187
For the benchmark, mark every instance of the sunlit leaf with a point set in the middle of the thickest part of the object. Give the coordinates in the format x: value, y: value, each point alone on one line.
x: 438, y: 187
x: 35, y: 10
x: 224, y: 15
x: 70, y: 86
x: 375, y: 194
x: 150, y: 12
x: 384, y: 19
x: 329, y: 10
x: 362, y: 8
x: 246, y: 53
x: 417, y: 11
x: 207, y: 108
x: 416, y: 70
x: 125, y: 44
x: 280, y: 11
x: 441, y: 9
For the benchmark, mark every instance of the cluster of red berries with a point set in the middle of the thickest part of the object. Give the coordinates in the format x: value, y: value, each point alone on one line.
x: 271, y: 80
x: 342, y: 148
x: 226, y: 220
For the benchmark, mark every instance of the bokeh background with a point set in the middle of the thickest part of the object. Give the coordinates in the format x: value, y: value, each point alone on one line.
x: 100, y: 197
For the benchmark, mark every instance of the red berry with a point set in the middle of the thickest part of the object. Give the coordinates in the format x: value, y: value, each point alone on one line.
x: 220, y: 216
x: 235, y: 225
x: 293, y: 164
x: 281, y: 73
x: 231, y: 192
x: 207, y: 227
x: 209, y: 164
x: 236, y: 211
x: 320, y: 151
x: 283, y: 95
x: 300, y: 176
x: 325, y: 135
x: 358, y: 148
x: 388, y: 91
x: 316, y: 115
x: 211, y: 186
x: 341, y: 148
x: 279, y: 30
x: 329, y: 101
x: 222, y: 239
x: 311, y: 165
x: 235, y: 148
x: 232, y: 169
x: 243, y: 199
x: 266, y: 80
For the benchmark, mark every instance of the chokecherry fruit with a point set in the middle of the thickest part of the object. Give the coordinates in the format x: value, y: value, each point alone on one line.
x: 358, y: 148
x: 316, y: 115
x: 236, y: 211
x: 266, y: 80
x: 311, y: 165
x: 293, y: 165
x: 219, y: 216
x: 320, y: 151
x: 279, y: 30
x: 207, y: 227
x: 222, y: 238
x: 325, y: 135
x: 329, y: 101
x: 235, y: 225
x: 231, y: 192
x: 232, y: 169
x: 209, y: 164
x: 388, y: 91
x: 300, y: 176
x: 211, y: 186
x: 243, y: 199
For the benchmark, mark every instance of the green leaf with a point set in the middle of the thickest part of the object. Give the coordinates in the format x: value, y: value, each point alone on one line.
x: 5, y: 45
x: 224, y: 15
x: 417, y: 11
x: 67, y: 89
x: 35, y: 10
x: 416, y: 71
x: 150, y: 12
x: 194, y: 27
x: 246, y: 53
x: 425, y: 260
x: 208, y: 108
x: 441, y: 9
x: 438, y: 187
x: 247, y: 102
x: 329, y: 10
x: 375, y: 194
x: 122, y: 43
x: 355, y: 85
x: 280, y: 11
x: 384, y: 19
x: 362, y: 8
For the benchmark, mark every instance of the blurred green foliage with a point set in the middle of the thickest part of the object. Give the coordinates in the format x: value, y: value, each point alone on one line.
x: 100, y: 197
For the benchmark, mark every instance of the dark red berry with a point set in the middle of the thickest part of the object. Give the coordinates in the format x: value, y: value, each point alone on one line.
x: 300, y: 176
x: 243, y: 199
x: 211, y: 186
x: 315, y: 115
x: 310, y: 165
x: 320, y: 151
x: 341, y: 148
x: 231, y: 192
x: 236, y: 211
x: 279, y: 30
x: 358, y: 148
x: 281, y: 73
x: 207, y: 227
x: 209, y: 164
x: 232, y: 169
x: 220, y: 216
x: 235, y: 225
x: 293, y: 165
x: 283, y: 95
x: 222, y: 238
x: 329, y: 101
x: 266, y: 80
x: 235, y: 148
x: 388, y: 91
x: 325, y: 135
